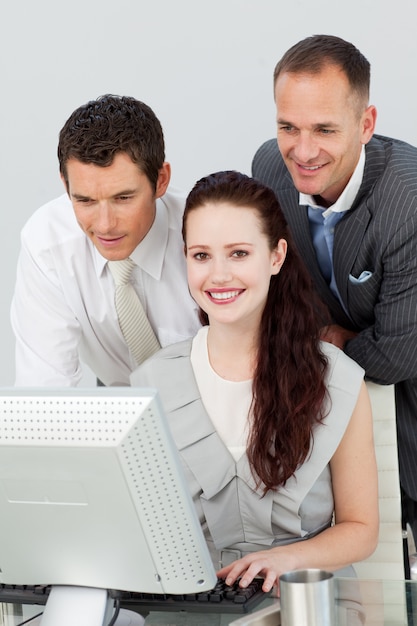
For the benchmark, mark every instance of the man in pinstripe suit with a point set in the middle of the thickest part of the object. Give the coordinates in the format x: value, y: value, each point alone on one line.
x: 350, y: 198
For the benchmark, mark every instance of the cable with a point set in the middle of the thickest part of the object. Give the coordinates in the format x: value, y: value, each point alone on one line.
x: 27, y: 621
x: 116, y: 612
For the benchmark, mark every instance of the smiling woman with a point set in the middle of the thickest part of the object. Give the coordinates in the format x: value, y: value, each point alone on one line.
x: 229, y: 263
x: 273, y: 425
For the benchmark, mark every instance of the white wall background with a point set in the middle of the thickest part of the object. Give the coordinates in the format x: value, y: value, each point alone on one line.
x: 204, y: 67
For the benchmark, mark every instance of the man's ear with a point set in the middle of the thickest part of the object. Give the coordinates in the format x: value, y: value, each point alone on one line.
x: 164, y: 176
x: 368, y: 123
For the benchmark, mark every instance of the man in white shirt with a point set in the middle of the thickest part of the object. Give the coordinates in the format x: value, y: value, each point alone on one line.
x: 118, y: 205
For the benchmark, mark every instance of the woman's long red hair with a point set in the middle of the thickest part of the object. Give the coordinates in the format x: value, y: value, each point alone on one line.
x: 288, y: 384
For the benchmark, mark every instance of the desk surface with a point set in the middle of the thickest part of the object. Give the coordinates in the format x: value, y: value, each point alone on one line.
x: 360, y: 602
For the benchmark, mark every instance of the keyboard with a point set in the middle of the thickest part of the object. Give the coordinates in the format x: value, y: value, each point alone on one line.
x: 221, y: 599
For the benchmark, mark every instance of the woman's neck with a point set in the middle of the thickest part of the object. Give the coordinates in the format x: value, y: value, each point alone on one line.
x: 232, y: 352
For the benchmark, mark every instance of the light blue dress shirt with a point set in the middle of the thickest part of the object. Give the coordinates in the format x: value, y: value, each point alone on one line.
x: 323, y: 222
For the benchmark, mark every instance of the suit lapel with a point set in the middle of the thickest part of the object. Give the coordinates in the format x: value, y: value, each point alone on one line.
x: 349, y: 234
x: 350, y: 231
x: 297, y: 218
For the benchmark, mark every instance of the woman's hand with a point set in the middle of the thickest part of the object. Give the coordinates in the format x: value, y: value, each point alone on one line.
x: 353, y: 536
x: 268, y: 564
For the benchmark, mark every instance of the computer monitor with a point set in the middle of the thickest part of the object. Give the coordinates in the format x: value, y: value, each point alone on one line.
x: 92, y: 494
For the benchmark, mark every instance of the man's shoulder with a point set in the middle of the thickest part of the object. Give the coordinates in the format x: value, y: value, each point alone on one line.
x: 53, y: 226
x: 265, y: 153
x: 396, y: 154
x: 268, y: 166
x: 397, y: 144
x: 174, y: 202
x: 55, y: 215
x: 391, y: 172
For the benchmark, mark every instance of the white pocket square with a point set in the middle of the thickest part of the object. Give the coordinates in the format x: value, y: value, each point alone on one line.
x: 362, y: 278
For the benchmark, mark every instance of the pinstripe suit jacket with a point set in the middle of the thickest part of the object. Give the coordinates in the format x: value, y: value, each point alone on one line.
x: 377, y: 236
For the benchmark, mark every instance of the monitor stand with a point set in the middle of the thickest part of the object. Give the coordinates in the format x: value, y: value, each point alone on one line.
x: 84, y: 606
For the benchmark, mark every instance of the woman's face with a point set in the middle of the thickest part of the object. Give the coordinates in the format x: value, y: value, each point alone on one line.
x: 229, y: 262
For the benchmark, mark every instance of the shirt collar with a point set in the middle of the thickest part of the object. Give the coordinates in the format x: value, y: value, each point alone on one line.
x: 149, y: 254
x: 348, y: 195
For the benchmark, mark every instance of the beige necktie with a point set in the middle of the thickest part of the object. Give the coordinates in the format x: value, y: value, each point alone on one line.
x: 133, y: 322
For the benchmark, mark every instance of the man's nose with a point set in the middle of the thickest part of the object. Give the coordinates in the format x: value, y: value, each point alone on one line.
x: 306, y: 148
x: 106, y: 217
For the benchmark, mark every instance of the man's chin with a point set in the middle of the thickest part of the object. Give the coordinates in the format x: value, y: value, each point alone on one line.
x: 112, y: 251
x: 307, y: 185
x: 113, y: 255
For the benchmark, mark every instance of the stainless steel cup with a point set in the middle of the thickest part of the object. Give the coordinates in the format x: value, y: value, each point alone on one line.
x: 307, y: 598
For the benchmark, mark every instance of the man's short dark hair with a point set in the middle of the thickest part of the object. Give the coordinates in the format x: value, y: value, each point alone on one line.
x: 102, y: 128
x: 313, y: 53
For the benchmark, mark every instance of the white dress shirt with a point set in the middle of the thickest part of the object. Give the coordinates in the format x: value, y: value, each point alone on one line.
x: 63, y: 310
